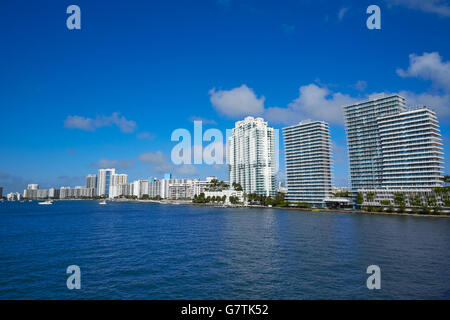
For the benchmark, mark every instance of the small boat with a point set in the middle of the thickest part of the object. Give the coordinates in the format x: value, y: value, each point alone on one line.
x: 48, y: 202
x: 103, y: 202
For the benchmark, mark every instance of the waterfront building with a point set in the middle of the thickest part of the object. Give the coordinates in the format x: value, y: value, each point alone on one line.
x: 91, y: 181
x: 363, y: 138
x: 1, y: 192
x: 13, y: 196
x: 104, y: 181
x: 308, y: 162
x: 180, y: 188
x: 78, y: 192
x: 251, y: 156
x: 411, y: 148
x: 119, y: 178
x: 33, y: 192
x: 53, y: 193
x: 154, y: 188
x: 397, y: 151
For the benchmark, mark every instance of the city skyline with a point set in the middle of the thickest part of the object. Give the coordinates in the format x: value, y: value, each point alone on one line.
x: 111, y: 94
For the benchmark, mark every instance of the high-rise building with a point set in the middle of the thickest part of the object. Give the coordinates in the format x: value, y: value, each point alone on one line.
x: 411, y: 146
x: 119, y: 178
x: 1, y: 192
x: 104, y: 181
x: 251, y: 156
x: 308, y: 162
x: 364, y: 139
x: 391, y: 147
x: 91, y: 181
x: 33, y: 186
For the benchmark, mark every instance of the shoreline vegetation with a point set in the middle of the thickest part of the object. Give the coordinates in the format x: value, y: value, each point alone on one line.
x: 240, y: 206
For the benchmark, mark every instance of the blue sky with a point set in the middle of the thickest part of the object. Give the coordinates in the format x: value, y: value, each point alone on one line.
x: 112, y: 93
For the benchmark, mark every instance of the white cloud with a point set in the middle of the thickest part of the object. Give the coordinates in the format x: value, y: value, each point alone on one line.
x: 314, y: 102
x: 341, y: 13
x: 161, y: 164
x: 89, y: 124
x: 237, y: 102
x: 439, y: 103
x: 113, y: 163
x: 440, y: 7
x: 428, y: 66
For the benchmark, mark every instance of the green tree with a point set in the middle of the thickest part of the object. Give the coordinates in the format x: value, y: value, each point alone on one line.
x: 360, y: 198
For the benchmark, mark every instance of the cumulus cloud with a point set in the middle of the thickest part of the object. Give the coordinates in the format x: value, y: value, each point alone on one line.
x: 431, y: 67
x: 439, y: 103
x: 314, y: 102
x: 161, y: 164
x: 440, y: 7
x: 428, y: 66
x: 90, y: 124
x: 237, y: 102
x: 113, y: 163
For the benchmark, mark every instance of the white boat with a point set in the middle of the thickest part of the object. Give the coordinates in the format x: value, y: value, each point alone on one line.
x: 103, y: 202
x: 48, y: 202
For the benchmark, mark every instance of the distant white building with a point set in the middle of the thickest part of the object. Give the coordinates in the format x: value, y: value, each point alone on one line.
x: 13, y: 196
x: 33, y: 192
x: 78, y: 192
x: 91, y: 181
x: 251, y: 156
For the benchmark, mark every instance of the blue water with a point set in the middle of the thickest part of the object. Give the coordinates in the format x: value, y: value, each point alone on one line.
x: 152, y: 251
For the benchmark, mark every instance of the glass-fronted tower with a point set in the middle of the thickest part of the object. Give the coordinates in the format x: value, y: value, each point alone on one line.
x: 411, y: 146
x: 363, y: 138
x: 308, y: 162
x: 104, y: 181
x: 393, y: 148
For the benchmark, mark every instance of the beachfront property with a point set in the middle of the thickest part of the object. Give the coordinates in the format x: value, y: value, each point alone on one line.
x: 308, y: 162
x: 251, y: 156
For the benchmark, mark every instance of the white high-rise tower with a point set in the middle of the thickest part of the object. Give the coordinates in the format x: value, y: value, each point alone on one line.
x: 251, y: 156
x: 104, y: 179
